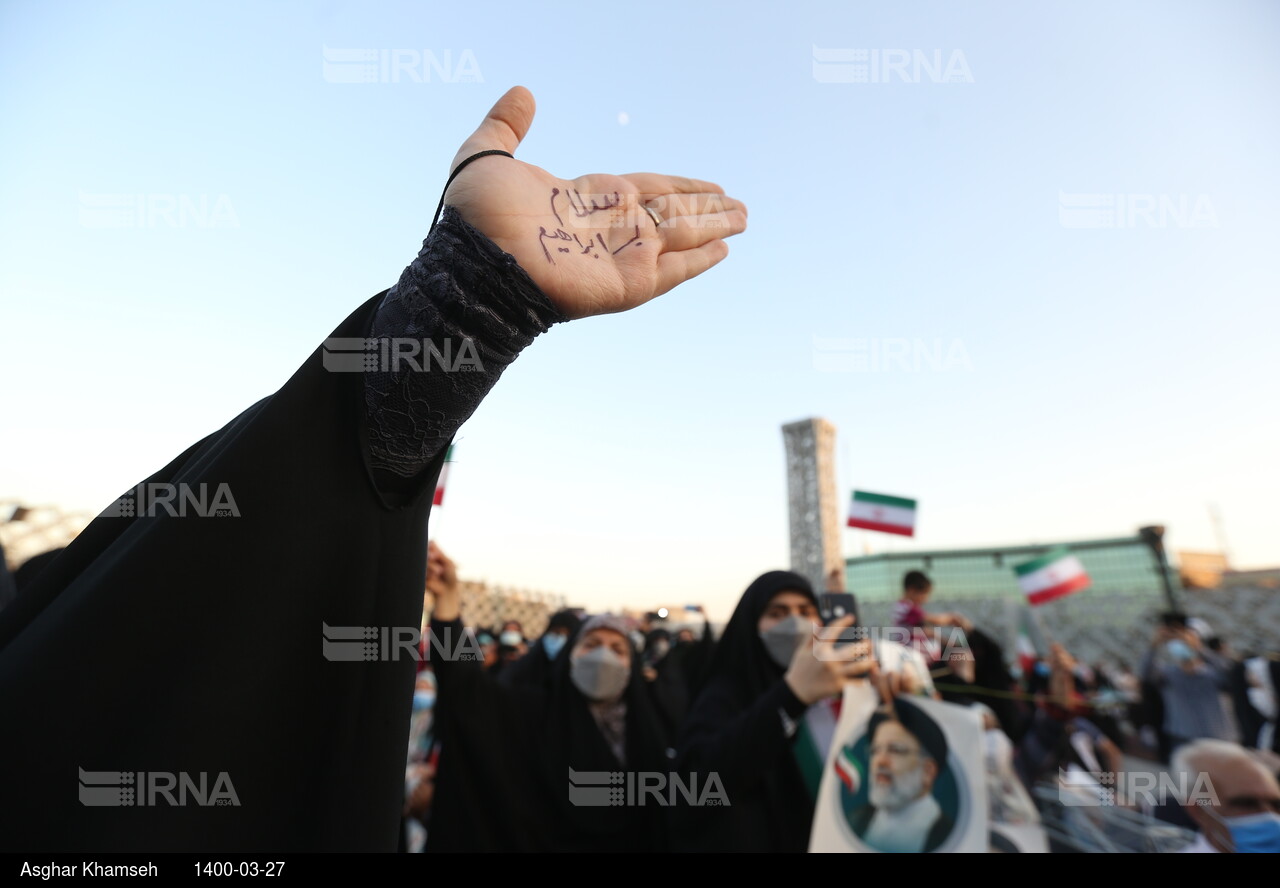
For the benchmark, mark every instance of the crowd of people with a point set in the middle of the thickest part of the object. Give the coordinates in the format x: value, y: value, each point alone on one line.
x: 498, y: 734
x: 519, y: 744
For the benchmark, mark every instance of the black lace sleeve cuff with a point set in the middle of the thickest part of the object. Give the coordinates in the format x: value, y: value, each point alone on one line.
x: 457, y: 317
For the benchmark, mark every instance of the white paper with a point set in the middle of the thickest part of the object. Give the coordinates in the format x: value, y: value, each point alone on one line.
x: 960, y: 788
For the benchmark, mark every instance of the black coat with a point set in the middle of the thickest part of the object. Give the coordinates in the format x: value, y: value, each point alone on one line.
x: 736, y: 729
x: 193, y: 645
x: 503, y: 782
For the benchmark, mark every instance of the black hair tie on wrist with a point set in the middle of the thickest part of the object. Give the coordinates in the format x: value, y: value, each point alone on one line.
x: 454, y: 175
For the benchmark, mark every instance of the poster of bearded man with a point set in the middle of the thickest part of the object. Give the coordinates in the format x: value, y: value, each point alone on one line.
x: 902, y: 778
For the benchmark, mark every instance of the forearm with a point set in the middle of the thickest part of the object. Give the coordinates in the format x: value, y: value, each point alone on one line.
x: 446, y: 608
x: 458, y: 316
x: 1062, y: 689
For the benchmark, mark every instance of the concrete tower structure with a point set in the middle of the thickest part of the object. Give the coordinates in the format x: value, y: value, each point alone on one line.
x: 812, y: 500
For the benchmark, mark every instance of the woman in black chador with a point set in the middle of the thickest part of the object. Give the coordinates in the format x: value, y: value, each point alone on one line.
x: 509, y: 755
x: 764, y: 720
x: 217, y: 635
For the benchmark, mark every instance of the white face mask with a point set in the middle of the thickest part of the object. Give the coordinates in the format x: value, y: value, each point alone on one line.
x: 783, y: 638
x: 600, y: 674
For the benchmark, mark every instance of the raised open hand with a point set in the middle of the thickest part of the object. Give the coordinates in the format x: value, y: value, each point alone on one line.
x: 589, y: 243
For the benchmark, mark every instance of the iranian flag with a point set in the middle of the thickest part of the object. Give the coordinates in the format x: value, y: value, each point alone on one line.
x: 887, y: 514
x: 1051, y: 576
x: 438, y: 500
x: 847, y: 769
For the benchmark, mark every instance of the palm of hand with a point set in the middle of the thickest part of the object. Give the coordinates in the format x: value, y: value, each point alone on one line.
x: 588, y: 243
x: 586, y: 262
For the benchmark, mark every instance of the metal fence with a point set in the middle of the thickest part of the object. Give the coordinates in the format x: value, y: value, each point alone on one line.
x: 1117, y: 629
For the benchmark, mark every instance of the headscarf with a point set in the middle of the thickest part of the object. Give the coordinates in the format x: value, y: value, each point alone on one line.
x: 572, y: 739
x: 534, y: 668
x: 740, y: 661
x: 564, y: 619
x: 652, y: 637
x: 669, y: 689
x: 504, y: 781
x: 610, y: 715
x: 770, y: 808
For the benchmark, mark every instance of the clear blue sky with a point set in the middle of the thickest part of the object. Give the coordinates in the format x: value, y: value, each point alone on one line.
x: 1100, y: 378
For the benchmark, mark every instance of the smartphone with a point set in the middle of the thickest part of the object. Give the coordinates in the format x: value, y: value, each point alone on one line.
x: 834, y: 605
x: 1174, y: 619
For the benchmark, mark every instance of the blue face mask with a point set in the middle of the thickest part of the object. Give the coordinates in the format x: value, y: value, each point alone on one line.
x: 1255, y: 833
x: 1179, y: 650
x: 423, y: 700
x: 553, y: 643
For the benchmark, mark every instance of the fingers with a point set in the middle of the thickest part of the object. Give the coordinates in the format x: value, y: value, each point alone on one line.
x: 707, y: 210
x: 688, y: 232
x: 504, y: 127
x: 843, y: 623
x: 656, y: 183
x: 829, y: 635
x: 677, y: 267
x: 860, y: 663
x: 670, y: 205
